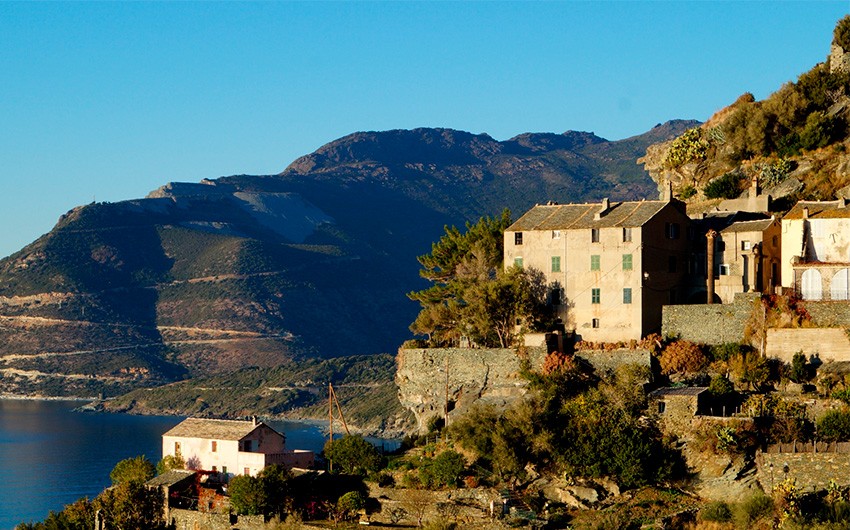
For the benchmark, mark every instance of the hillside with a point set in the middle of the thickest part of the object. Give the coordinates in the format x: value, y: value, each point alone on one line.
x: 260, y: 271
x: 796, y: 141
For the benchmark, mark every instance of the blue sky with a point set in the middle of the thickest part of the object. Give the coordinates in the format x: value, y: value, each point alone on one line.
x: 108, y: 101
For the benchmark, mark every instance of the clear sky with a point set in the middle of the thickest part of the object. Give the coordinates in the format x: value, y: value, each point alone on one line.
x: 108, y: 101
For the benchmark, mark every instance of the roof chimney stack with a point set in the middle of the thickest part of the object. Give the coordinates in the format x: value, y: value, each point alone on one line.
x: 805, y: 213
x: 606, y: 205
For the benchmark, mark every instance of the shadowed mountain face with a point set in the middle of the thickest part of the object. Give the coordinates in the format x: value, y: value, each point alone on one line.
x: 205, y: 278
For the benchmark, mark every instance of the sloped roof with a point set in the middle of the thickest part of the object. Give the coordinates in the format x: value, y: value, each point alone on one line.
x: 678, y: 391
x: 213, y: 429
x: 748, y: 226
x: 820, y: 210
x: 170, y: 478
x: 578, y: 216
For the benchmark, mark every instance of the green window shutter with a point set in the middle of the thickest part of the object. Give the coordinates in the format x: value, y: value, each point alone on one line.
x: 627, y: 262
x: 594, y: 296
x: 594, y: 262
x: 627, y: 295
x: 518, y: 262
x: 556, y: 263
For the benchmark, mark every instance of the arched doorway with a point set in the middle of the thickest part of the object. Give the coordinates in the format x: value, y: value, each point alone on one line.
x: 839, y: 287
x: 811, y: 285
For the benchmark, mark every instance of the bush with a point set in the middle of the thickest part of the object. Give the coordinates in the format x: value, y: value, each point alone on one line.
x: 444, y: 470
x: 752, y: 509
x: 687, y: 191
x: 726, y: 187
x: 718, y: 512
x: 834, y: 426
x: 683, y: 357
x: 138, y: 469
x: 247, y: 495
x: 688, y: 147
x: 353, y: 455
x: 169, y: 463
x: 350, y: 503
x: 799, y: 372
x: 721, y: 386
x: 841, y: 34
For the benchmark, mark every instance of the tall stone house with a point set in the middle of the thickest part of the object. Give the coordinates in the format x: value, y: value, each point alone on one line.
x: 816, y: 250
x: 609, y: 266
x: 230, y: 447
x: 748, y: 258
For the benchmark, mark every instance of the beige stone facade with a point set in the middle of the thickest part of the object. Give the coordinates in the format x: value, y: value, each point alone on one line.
x: 749, y: 258
x: 609, y: 266
x: 816, y: 250
x: 230, y: 447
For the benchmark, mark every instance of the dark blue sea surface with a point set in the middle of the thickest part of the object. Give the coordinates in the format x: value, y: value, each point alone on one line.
x: 51, y: 456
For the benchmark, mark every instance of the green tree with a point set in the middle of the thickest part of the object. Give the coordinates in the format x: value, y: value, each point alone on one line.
x: 721, y: 386
x: 247, y: 495
x: 443, y: 470
x: 799, y: 372
x: 169, y: 463
x: 130, y: 505
x: 353, y: 455
x: 275, y: 480
x: 834, y: 426
x: 349, y: 504
x: 138, y: 470
x: 841, y: 34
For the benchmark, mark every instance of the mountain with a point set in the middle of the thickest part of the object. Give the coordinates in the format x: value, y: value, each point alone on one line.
x: 199, y: 279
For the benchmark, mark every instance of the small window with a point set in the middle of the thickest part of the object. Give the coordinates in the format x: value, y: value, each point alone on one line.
x: 214, y: 446
x: 518, y: 262
x: 556, y: 234
x: 556, y: 263
x: 671, y: 230
x: 518, y: 238
x: 594, y: 296
x: 724, y: 269
x: 662, y: 406
x: 594, y: 262
x: 594, y: 235
x: 627, y: 262
x: 671, y: 264
x: 627, y: 235
x: 595, y: 323
x: 746, y: 245
x: 246, y: 472
x: 224, y: 469
x: 627, y: 295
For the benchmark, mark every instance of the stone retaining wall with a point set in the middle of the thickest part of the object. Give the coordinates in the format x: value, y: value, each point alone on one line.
x: 812, y: 471
x: 828, y: 344
x: 194, y: 520
x: 709, y: 323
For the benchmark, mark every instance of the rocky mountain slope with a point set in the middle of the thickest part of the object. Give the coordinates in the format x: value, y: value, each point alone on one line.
x: 257, y: 271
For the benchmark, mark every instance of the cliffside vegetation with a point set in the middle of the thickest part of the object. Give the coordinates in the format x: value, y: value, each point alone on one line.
x: 801, y: 129
x: 473, y: 296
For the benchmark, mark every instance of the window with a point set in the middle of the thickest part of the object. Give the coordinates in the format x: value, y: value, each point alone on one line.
x: 594, y: 235
x: 177, y: 448
x: 556, y: 234
x: 214, y: 446
x: 518, y: 238
x: 556, y: 263
x: 746, y: 245
x: 246, y: 471
x: 662, y: 406
x: 518, y: 262
x: 247, y: 446
x: 594, y: 296
x: 627, y: 235
x: 671, y: 230
x: 595, y: 323
x: 224, y: 469
x: 627, y: 295
x: 724, y: 269
x: 594, y: 262
x: 671, y: 264
x: 627, y: 262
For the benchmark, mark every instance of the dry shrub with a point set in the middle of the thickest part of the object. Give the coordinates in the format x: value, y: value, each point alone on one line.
x: 683, y: 357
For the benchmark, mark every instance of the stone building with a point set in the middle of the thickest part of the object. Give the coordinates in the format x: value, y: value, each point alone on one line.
x: 609, y: 266
x: 230, y: 447
x: 816, y: 250
x: 677, y: 407
x: 748, y: 258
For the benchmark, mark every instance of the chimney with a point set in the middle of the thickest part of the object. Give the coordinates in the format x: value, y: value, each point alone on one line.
x: 254, y: 420
x: 805, y: 213
x: 668, y: 191
x: 754, y: 188
x: 606, y: 205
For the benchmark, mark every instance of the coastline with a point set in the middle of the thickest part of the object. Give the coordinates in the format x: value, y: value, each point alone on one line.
x: 20, y: 397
